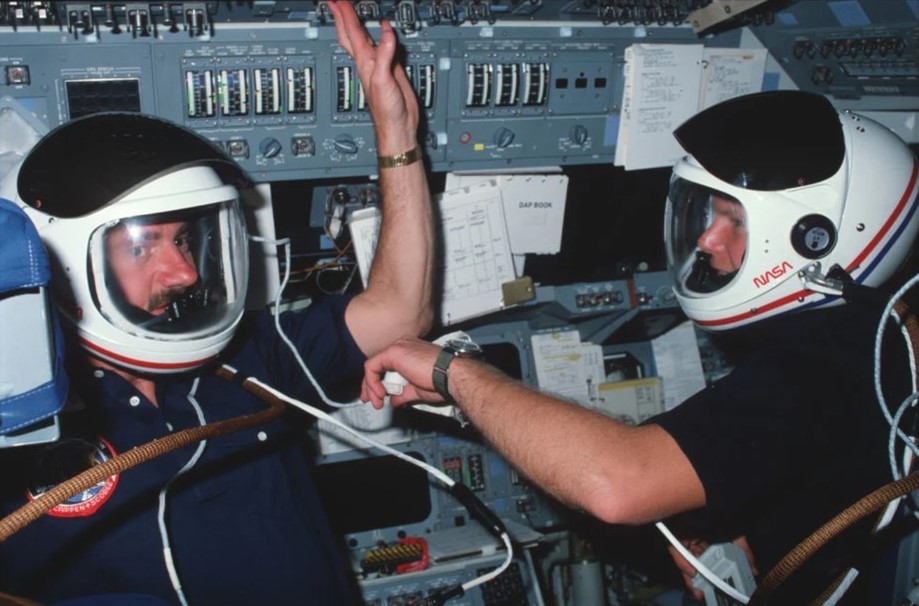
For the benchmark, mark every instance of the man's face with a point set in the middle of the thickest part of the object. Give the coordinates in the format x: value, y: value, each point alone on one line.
x: 725, y: 239
x: 152, y: 263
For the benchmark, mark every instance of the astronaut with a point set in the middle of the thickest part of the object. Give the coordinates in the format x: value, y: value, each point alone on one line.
x: 143, y: 223
x: 782, y: 205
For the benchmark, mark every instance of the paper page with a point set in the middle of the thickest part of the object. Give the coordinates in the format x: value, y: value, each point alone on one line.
x: 731, y: 72
x: 631, y: 401
x: 365, y: 230
x: 534, y: 206
x: 676, y: 355
x: 476, y: 259
x: 665, y: 85
x: 567, y: 367
x: 534, y: 209
x: 476, y: 251
x: 468, y: 177
x: 625, y: 115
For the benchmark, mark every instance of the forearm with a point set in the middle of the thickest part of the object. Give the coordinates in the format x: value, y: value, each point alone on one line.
x: 402, y: 273
x: 616, y: 472
x: 397, y: 300
x: 399, y: 290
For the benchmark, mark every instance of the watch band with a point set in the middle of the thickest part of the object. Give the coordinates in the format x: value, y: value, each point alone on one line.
x: 441, y: 366
x: 453, y: 348
x: 397, y: 160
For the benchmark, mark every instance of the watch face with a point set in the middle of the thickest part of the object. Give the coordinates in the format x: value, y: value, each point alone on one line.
x: 463, y: 348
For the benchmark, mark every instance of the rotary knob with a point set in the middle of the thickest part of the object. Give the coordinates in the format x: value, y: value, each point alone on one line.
x: 270, y: 147
x: 345, y: 144
x: 503, y: 137
x: 578, y: 135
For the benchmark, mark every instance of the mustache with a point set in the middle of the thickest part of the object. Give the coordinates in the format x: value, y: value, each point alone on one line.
x: 165, y: 298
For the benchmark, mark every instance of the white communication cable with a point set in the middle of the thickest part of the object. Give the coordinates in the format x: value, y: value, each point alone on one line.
x: 843, y: 587
x: 322, y: 415
x: 161, y: 508
x: 285, y: 242
x: 437, y: 473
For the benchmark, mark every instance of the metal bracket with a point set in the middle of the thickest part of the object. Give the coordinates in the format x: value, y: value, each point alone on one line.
x: 718, y: 11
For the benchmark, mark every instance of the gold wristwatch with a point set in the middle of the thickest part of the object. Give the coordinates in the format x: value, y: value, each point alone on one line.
x: 397, y: 160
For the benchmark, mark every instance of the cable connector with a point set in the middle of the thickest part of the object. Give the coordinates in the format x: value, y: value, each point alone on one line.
x: 406, y: 555
x: 478, y: 509
x: 728, y: 562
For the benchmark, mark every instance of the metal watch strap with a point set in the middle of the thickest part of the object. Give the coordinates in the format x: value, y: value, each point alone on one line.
x: 441, y: 366
x: 403, y: 159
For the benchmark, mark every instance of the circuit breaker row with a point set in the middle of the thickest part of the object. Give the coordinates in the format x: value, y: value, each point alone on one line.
x: 234, y: 92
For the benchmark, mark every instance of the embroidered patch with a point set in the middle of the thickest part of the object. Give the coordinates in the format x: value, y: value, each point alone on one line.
x: 63, y: 461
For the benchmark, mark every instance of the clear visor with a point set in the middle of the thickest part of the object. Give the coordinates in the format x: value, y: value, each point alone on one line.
x: 706, y: 237
x: 173, y: 275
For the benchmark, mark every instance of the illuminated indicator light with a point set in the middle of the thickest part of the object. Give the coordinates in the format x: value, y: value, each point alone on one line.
x: 189, y: 93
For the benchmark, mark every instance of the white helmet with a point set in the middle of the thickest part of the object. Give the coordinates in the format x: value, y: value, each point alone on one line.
x: 780, y: 191
x: 146, y: 235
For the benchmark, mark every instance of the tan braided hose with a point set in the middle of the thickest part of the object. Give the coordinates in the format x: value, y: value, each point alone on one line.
x: 33, y: 510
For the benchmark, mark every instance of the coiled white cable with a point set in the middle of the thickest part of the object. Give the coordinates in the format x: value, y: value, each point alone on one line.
x: 894, y: 421
x: 878, y: 340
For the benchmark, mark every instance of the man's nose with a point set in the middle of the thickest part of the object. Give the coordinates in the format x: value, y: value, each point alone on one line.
x: 711, y: 240
x: 176, y: 269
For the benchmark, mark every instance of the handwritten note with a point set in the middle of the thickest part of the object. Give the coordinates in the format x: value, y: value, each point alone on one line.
x: 666, y: 84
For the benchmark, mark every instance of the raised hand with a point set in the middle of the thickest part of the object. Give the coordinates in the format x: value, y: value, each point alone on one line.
x: 391, y: 98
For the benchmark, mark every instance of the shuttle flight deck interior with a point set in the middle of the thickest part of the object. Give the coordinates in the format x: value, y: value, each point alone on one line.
x: 547, y: 134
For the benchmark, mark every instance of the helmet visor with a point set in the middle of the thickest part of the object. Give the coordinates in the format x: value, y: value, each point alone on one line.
x: 767, y: 141
x: 706, y: 237
x: 172, y: 275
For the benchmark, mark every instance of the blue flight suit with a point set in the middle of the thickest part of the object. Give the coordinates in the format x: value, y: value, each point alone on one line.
x: 245, y: 523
